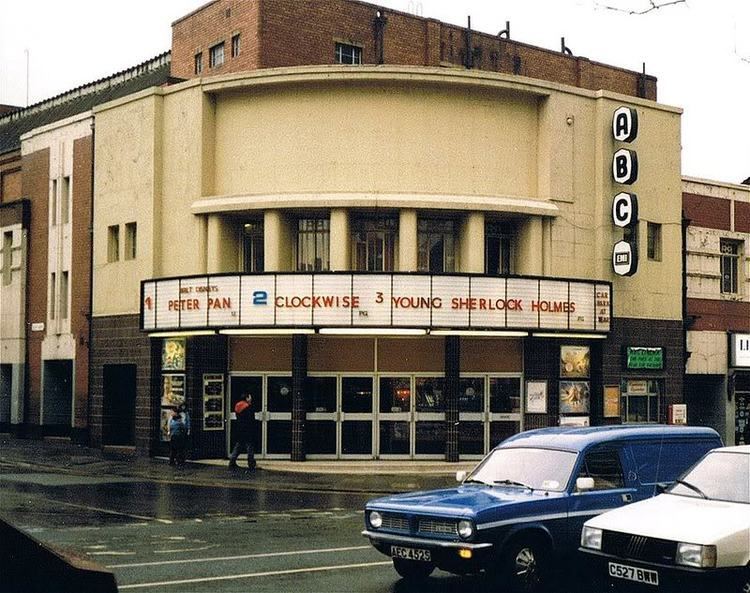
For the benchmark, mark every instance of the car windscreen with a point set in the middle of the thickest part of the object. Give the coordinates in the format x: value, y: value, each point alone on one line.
x: 540, y: 469
x: 718, y: 476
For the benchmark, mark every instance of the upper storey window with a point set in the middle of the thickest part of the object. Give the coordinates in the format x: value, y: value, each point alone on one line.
x: 499, y: 239
x: 313, y: 244
x: 730, y: 266
x: 374, y: 244
x: 235, y: 45
x: 348, y: 54
x: 252, y: 246
x: 216, y: 55
x: 198, y: 63
x: 436, y: 245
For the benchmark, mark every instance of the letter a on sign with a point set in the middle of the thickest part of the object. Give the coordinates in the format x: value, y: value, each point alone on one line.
x: 625, y: 166
x: 625, y: 124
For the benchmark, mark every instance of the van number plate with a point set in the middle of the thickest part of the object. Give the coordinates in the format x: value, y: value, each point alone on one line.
x: 411, y: 553
x: 631, y: 573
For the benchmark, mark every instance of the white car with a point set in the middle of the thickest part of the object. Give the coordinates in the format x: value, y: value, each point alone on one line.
x: 696, y: 535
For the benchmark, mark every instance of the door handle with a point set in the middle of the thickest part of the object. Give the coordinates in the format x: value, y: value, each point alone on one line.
x: 626, y: 498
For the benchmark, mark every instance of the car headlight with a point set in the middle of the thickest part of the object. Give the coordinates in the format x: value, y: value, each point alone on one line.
x: 376, y: 519
x: 591, y: 537
x: 465, y: 529
x: 696, y: 555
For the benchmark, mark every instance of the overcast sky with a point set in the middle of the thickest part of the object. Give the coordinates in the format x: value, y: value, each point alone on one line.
x: 699, y: 50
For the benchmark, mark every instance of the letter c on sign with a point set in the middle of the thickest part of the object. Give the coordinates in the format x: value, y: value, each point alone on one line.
x: 625, y: 209
x: 260, y: 297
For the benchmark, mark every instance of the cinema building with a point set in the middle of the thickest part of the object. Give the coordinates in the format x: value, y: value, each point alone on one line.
x: 397, y: 261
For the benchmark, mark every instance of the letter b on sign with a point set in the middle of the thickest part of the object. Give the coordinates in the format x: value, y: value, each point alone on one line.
x: 625, y: 166
x: 625, y: 124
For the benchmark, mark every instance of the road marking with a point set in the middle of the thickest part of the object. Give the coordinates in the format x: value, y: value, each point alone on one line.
x: 108, y: 511
x: 200, y: 549
x: 243, y: 557
x: 251, y: 575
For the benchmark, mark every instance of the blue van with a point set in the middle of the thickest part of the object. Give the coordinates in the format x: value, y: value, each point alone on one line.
x: 524, y: 505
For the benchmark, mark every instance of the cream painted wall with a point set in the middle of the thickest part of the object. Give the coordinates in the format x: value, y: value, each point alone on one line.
x: 372, y: 132
x: 376, y: 138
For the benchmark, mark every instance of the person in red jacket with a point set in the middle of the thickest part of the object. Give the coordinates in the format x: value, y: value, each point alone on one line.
x: 245, y: 428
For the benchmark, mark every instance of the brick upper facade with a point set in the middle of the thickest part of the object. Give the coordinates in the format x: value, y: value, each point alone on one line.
x: 279, y: 33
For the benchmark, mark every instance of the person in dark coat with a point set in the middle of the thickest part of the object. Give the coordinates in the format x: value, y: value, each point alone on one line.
x: 245, y: 427
x: 177, y: 439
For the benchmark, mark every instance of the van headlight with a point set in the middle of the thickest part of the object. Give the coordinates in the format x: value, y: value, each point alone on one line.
x: 465, y: 529
x: 591, y: 538
x: 376, y: 519
x: 696, y: 555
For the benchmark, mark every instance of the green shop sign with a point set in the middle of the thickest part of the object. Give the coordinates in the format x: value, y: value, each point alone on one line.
x: 645, y: 358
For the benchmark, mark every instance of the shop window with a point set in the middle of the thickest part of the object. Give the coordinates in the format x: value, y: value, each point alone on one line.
x: 216, y: 55
x: 499, y: 239
x: 374, y: 244
x: 640, y: 400
x: 313, y: 244
x: 347, y: 53
x: 252, y: 247
x: 730, y: 265
x: 653, y: 237
x: 7, y: 257
x: 436, y: 245
x: 113, y: 243
x: 198, y: 63
x: 235, y: 45
x: 131, y: 237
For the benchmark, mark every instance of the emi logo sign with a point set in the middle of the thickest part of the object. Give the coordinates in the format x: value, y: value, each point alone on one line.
x: 624, y: 259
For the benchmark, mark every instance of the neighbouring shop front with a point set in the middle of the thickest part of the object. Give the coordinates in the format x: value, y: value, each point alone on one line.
x: 739, y: 386
x: 399, y: 366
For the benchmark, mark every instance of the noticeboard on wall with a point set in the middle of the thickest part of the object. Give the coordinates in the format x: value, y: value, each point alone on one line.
x: 536, y: 397
x: 611, y: 401
x: 213, y: 401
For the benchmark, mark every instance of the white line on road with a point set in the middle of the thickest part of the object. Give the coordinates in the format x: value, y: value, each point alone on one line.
x: 108, y: 511
x: 251, y: 575
x: 243, y: 557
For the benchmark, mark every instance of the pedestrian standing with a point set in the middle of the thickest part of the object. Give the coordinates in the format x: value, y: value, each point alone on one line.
x: 245, y: 427
x: 177, y: 439
x: 188, y: 428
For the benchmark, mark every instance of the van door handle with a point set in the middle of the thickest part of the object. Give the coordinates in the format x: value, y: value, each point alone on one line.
x: 626, y: 498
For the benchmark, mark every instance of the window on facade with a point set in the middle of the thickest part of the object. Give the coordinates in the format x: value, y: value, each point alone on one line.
x: 64, y: 295
x: 374, y: 244
x: 216, y: 55
x: 640, y: 400
x: 113, y: 243
x: 65, y: 201
x: 235, y: 45
x: 52, y: 295
x: 313, y: 244
x: 436, y: 245
x: 499, y: 240
x: 7, y: 257
x: 653, y: 237
x: 252, y: 247
x: 53, y: 204
x: 198, y: 69
x: 131, y: 238
x: 348, y: 54
x: 730, y: 266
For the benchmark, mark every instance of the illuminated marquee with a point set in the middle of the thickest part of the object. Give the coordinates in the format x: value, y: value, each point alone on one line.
x: 374, y: 300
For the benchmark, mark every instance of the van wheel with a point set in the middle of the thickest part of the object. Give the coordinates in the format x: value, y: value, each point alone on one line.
x: 525, y: 565
x: 412, y: 570
x: 744, y: 583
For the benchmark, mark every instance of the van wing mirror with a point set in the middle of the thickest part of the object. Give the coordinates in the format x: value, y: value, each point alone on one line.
x: 584, y: 484
x: 460, y: 476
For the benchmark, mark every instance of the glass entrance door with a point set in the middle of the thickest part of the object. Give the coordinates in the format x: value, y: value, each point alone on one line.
x: 395, y: 417
x: 321, y: 417
x: 429, y: 417
x: 356, y: 417
x: 472, y: 417
x: 505, y: 412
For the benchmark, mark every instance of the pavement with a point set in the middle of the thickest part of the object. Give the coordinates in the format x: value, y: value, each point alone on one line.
x: 371, y: 476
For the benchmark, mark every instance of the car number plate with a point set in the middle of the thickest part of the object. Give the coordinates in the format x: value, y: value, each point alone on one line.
x: 411, y: 553
x: 632, y: 573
